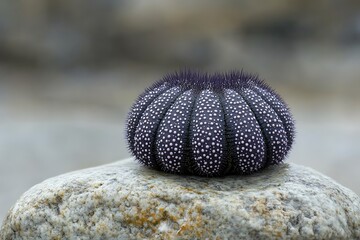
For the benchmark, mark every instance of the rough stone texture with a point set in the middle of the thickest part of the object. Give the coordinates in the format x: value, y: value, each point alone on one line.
x: 127, y: 201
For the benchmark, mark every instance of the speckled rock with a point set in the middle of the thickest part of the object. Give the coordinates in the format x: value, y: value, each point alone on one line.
x: 127, y: 201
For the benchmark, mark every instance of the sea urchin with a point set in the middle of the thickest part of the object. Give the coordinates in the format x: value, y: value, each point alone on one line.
x: 210, y: 125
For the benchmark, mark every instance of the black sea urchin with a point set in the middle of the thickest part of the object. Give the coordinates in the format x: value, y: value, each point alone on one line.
x: 210, y: 125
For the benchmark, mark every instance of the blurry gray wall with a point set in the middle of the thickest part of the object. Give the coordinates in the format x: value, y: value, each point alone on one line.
x: 70, y: 70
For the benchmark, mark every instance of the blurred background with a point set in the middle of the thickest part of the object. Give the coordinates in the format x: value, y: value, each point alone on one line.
x: 70, y: 70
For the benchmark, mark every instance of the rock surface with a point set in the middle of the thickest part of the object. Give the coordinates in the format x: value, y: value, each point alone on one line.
x: 126, y: 201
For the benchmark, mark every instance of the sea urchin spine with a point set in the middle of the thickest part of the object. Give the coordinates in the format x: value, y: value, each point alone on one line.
x: 192, y: 123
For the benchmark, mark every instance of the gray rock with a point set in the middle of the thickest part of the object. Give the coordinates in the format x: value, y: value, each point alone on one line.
x: 126, y: 201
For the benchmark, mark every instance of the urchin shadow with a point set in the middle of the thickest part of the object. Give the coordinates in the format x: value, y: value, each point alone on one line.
x: 273, y: 176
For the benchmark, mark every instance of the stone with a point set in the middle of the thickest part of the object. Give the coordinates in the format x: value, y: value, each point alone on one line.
x: 124, y: 200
